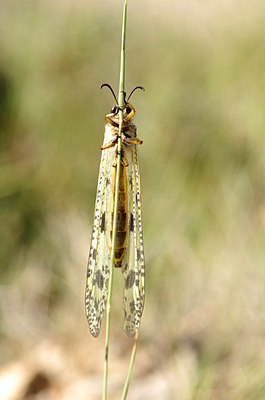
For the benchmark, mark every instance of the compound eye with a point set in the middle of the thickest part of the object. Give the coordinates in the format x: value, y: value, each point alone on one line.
x: 128, y: 110
x: 114, y: 110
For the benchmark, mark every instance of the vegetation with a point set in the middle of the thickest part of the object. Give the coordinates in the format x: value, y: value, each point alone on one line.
x: 202, y: 121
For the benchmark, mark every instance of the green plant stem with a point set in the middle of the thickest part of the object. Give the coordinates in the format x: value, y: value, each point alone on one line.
x: 117, y: 184
x: 127, y: 382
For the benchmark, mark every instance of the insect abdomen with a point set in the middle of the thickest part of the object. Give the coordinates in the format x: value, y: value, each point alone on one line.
x: 121, y: 233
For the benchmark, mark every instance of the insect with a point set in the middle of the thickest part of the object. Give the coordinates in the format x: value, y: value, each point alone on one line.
x: 129, y: 251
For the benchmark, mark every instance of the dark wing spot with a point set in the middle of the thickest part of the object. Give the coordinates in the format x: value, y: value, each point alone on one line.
x: 94, y: 254
x: 138, y: 255
x: 131, y: 223
x: 105, y: 269
x: 89, y: 272
x: 125, y: 267
x: 103, y: 223
x: 95, y: 304
x: 106, y: 283
x: 99, y: 280
x: 130, y: 280
x: 132, y: 308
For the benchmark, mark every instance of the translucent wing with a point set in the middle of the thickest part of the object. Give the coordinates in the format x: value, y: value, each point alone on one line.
x: 133, y: 262
x: 99, y: 256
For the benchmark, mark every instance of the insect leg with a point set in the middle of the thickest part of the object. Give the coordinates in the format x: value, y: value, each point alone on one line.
x: 132, y: 140
x: 109, y: 144
x: 110, y: 121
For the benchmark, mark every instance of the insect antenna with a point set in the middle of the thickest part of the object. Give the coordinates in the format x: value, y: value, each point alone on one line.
x: 106, y: 84
x: 137, y: 87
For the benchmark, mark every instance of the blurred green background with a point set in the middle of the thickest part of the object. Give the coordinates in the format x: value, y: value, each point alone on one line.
x: 202, y: 121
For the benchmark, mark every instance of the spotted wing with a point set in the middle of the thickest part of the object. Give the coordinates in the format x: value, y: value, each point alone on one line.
x: 133, y: 263
x: 99, y: 255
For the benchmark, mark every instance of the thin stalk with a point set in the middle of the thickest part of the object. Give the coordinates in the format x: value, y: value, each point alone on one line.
x: 117, y: 184
x: 127, y: 382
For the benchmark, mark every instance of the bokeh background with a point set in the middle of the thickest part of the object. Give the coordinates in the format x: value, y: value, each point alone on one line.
x: 202, y: 120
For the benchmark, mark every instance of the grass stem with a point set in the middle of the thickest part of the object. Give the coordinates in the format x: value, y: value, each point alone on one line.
x: 127, y: 382
x: 121, y: 107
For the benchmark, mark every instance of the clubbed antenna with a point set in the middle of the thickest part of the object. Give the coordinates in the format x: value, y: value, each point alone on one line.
x: 106, y: 84
x: 137, y: 87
